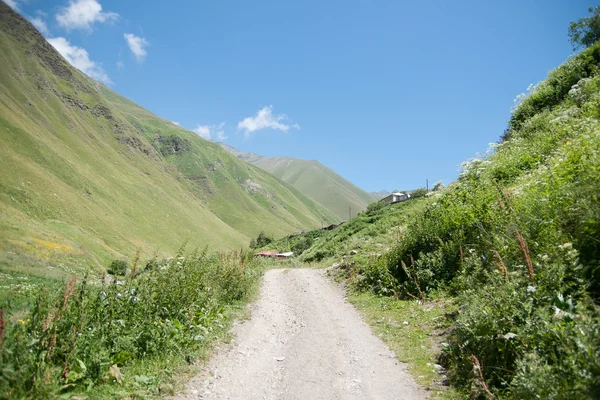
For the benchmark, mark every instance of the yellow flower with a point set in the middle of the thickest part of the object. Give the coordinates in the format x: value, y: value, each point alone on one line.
x: 21, y: 321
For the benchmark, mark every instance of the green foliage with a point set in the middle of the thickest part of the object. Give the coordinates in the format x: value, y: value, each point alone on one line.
x: 81, y: 335
x: 421, y: 192
x: 171, y: 145
x: 302, y: 245
x: 118, y: 267
x: 374, y: 206
x: 551, y: 92
x: 261, y: 240
x: 585, y: 31
x: 515, y: 240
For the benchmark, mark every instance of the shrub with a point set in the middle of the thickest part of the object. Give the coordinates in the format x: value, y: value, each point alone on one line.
x: 79, y: 335
x: 261, y: 241
x: 302, y: 245
x: 415, y: 194
x: 118, y: 267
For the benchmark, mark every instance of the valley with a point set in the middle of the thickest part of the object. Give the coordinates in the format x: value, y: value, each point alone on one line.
x: 141, y: 259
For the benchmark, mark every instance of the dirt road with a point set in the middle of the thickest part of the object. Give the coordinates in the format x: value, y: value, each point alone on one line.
x: 303, y: 341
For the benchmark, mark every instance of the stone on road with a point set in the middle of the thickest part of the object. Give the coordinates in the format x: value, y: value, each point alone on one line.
x: 303, y: 341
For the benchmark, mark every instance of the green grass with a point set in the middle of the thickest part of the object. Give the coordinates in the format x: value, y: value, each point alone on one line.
x: 81, y: 169
x: 129, y: 338
x: 415, y: 331
x: 315, y: 180
x: 513, y: 241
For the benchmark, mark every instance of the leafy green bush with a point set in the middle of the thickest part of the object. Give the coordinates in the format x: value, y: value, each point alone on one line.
x: 415, y: 194
x: 555, y: 88
x: 118, y: 267
x: 261, y: 241
x: 515, y: 239
x: 302, y: 245
x: 80, y: 335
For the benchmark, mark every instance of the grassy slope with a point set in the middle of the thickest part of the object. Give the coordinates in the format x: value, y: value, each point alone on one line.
x: 371, y: 233
x: 515, y: 241
x: 242, y: 195
x: 82, y: 185
x: 315, y: 180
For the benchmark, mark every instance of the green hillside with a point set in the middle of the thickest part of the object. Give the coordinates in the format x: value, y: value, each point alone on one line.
x: 89, y: 176
x: 513, y: 244
x: 313, y: 179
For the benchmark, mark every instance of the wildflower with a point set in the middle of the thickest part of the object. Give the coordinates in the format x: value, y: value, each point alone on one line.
x: 21, y: 321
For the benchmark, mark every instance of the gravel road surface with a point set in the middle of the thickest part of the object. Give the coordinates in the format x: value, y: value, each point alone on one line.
x: 303, y: 341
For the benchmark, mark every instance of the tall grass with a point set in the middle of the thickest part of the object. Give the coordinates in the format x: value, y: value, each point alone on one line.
x: 515, y: 239
x: 80, y: 335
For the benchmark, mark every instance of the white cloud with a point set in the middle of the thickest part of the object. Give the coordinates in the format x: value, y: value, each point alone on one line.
x: 41, y: 26
x: 136, y: 45
x: 221, y: 137
x: 176, y: 123
x: 12, y: 4
x: 221, y: 133
x: 209, y: 132
x: 120, y: 64
x: 82, y: 14
x: 203, y: 131
x: 80, y: 59
x: 264, y: 119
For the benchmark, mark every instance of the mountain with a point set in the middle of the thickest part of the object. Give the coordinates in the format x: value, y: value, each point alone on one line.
x: 89, y: 176
x: 379, y: 195
x: 314, y: 179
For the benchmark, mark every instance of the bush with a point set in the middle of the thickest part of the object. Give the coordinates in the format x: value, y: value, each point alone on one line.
x: 261, y: 241
x: 415, y: 194
x: 302, y: 245
x: 515, y: 240
x: 80, y: 335
x: 118, y: 267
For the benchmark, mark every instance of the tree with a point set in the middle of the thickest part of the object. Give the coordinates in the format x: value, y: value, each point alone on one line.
x: 421, y: 192
x: 585, y: 31
x: 261, y: 240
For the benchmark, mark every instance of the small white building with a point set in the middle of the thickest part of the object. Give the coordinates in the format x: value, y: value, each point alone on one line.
x: 395, y: 197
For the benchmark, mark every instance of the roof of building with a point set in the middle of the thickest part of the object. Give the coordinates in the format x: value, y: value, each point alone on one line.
x: 287, y: 254
x: 267, y: 253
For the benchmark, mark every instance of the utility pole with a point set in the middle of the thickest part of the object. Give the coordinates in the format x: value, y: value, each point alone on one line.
x: 350, y: 213
x: 427, y: 184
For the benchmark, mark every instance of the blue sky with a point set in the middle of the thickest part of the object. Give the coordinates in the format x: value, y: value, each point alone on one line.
x: 386, y: 93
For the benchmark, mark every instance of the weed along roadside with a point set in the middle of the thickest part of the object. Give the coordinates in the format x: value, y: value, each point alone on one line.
x: 134, y: 336
x: 510, y: 246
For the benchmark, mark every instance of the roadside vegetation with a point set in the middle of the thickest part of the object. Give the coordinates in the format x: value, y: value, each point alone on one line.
x: 513, y: 242
x: 129, y: 335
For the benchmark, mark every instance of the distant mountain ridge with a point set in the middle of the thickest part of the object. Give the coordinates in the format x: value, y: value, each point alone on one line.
x: 380, y: 195
x: 312, y: 178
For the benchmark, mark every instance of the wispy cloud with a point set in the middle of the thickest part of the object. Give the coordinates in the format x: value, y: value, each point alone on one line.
x: 264, y: 119
x: 82, y: 14
x: 211, y: 132
x: 176, y: 123
x: 41, y: 26
x: 12, y: 4
x: 120, y: 64
x: 137, y: 46
x: 203, y: 131
x: 80, y: 59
